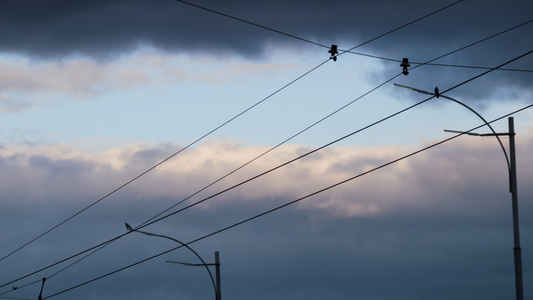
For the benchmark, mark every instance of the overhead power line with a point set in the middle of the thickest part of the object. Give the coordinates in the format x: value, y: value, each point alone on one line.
x: 454, y: 87
x: 286, y: 204
x: 161, y: 162
x: 100, y: 246
x: 309, y: 41
x: 371, y: 40
x: 337, y: 140
x: 210, y: 132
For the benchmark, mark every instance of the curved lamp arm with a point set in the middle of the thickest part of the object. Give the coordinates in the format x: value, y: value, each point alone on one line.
x: 183, y: 244
x: 469, y: 108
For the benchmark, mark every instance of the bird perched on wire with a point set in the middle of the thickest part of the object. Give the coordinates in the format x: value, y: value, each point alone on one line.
x: 128, y: 227
x: 437, y: 92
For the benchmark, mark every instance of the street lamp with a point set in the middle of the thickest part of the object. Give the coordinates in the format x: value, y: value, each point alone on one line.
x: 512, y: 182
x: 216, y: 285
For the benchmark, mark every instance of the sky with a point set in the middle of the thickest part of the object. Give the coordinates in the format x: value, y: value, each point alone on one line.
x: 228, y: 123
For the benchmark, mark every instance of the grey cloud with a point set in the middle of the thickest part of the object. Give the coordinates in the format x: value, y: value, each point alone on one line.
x: 443, y: 229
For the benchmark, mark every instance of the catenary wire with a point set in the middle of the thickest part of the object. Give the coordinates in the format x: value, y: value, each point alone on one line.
x: 429, y: 62
x: 269, y: 96
x: 105, y: 243
x: 337, y: 140
x: 309, y: 41
x: 235, y: 186
x: 359, y: 53
x: 305, y: 40
x: 288, y: 203
x: 252, y: 23
x: 137, y: 177
x: 317, y: 192
x: 162, y: 162
x: 194, y: 142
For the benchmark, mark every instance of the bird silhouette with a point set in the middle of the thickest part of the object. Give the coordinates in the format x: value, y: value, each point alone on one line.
x: 128, y: 227
x: 437, y: 92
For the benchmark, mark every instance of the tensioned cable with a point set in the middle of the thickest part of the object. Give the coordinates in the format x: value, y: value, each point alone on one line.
x: 142, y: 225
x: 309, y: 41
x: 308, y: 153
x: 254, y: 24
x: 163, y: 161
x: 305, y: 40
x: 96, y: 248
x: 289, y: 203
x: 237, y: 185
x: 350, y: 50
x: 202, y: 137
x: 487, y: 38
x: 334, y: 112
x: 405, y: 25
x: 335, y: 141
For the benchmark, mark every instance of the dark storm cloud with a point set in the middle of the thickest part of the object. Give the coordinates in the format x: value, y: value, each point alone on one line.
x: 56, y: 28
x: 105, y: 29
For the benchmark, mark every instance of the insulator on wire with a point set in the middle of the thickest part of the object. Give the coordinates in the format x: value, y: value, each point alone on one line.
x: 333, y: 51
x: 405, y: 64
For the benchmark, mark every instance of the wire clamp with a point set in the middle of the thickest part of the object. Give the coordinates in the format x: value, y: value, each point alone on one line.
x: 333, y: 51
x: 405, y: 64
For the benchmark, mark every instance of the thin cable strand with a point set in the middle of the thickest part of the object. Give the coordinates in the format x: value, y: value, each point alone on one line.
x: 359, y: 53
x: 194, y: 142
x: 317, y: 192
x: 145, y: 223
x: 289, y: 203
x: 162, y: 162
x: 312, y: 194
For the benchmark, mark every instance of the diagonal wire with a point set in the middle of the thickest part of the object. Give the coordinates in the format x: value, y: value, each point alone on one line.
x: 194, y: 142
x: 275, y: 168
x: 288, y: 203
x: 146, y: 222
x: 427, y: 63
x: 161, y: 162
x: 210, y: 132
x: 359, y: 53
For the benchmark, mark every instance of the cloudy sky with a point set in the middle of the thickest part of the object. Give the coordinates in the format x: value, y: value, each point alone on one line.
x: 124, y: 111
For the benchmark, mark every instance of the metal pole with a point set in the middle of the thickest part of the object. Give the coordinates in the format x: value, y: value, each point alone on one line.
x: 217, y: 265
x: 516, y: 230
x: 511, y: 162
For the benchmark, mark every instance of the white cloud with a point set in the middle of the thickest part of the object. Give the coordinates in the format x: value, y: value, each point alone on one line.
x: 25, y: 83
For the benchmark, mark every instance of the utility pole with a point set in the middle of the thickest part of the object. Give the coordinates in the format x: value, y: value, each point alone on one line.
x: 217, y: 266
x: 511, y: 163
x: 516, y: 230
x: 517, y: 250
